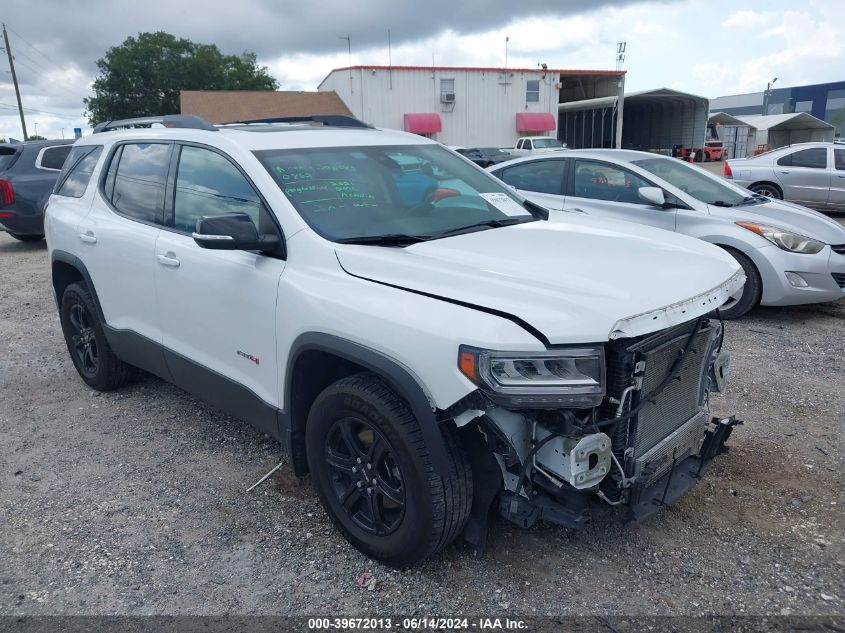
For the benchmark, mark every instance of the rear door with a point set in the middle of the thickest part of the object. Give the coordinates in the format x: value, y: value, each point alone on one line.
x: 804, y: 176
x: 837, y: 180
x: 118, y: 236
x: 608, y: 190
x: 540, y: 180
x: 218, y: 308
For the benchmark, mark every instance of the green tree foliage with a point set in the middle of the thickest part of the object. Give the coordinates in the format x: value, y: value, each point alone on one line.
x: 143, y: 76
x: 36, y: 137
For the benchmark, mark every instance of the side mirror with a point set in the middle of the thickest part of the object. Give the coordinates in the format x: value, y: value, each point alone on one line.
x: 652, y: 195
x: 232, y: 232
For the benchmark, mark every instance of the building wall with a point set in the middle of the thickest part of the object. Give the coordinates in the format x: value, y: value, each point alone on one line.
x: 483, y: 114
x: 823, y: 101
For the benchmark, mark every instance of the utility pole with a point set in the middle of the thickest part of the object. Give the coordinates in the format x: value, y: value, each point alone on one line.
x: 14, y: 79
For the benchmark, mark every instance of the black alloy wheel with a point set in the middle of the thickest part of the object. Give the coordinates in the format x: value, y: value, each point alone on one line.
x: 365, y: 476
x: 83, y: 340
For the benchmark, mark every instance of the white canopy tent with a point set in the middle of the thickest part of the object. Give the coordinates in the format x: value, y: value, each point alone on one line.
x: 779, y: 130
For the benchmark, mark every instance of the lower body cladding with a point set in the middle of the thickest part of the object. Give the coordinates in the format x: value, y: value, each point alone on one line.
x: 649, y: 441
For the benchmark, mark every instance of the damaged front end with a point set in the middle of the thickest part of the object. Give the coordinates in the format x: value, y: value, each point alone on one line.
x: 573, y: 429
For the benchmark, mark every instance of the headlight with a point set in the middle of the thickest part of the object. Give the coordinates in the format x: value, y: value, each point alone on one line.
x: 571, y: 377
x: 786, y: 240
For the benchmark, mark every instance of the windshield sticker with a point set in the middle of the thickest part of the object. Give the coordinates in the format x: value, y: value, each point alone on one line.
x: 504, y: 203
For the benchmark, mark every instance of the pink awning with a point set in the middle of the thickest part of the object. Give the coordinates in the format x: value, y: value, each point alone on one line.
x: 535, y: 122
x: 423, y: 123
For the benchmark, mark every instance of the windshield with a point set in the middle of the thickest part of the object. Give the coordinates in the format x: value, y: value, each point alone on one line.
x: 422, y: 191
x: 544, y: 143
x: 692, y: 180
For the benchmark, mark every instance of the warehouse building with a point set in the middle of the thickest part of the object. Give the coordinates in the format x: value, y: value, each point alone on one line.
x: 467, y: 106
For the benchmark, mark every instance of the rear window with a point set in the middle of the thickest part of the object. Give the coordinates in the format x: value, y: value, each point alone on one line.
x: 77, y: 171
x: 8, y: 154
x: 54, y: 157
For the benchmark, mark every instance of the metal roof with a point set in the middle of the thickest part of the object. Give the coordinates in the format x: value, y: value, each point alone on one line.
x: 663, y: 94
x: 723, y: 118
x: 793, y: 121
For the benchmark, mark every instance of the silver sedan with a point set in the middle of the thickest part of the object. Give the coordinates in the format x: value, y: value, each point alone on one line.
x: 791, y: 255
x: 812, y: 174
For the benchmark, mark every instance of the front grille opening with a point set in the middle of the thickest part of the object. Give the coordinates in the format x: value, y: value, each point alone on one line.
x: 839, y: 278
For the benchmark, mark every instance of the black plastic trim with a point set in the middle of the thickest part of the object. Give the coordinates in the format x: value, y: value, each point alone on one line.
x: 397, y: 377
x: 75, y: 262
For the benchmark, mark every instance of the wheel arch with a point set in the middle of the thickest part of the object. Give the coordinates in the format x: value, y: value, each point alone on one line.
x: 768, y: 183
x: 66, y: 269
x: 317, y: 360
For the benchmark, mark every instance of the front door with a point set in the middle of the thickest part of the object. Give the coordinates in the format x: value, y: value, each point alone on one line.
x: 610, y: 191
x: 218, y: 308
x: 837, y: 180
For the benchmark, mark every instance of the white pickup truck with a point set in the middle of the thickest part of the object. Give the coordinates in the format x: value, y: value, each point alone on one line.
x: 536, y: 145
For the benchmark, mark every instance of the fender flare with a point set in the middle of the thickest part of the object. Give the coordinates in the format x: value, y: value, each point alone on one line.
x: 397, y: 377
x: 72, y: 260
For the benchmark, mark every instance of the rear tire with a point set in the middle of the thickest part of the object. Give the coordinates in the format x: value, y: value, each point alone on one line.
x: 735, y: 308
x: 27, y: 238
x: 90, y: 351
x: 767, y: 189
x: 375, y: 477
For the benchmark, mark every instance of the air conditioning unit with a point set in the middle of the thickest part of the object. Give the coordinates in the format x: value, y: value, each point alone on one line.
x: 447, y: 97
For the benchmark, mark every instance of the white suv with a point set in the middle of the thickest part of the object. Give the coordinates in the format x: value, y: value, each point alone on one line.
x: 421, y: 339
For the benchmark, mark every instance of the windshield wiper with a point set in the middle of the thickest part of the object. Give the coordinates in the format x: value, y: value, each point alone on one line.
x: 488, y: 224
x: 389, y: 239
x: 722, y: 203
x: 756, y: 198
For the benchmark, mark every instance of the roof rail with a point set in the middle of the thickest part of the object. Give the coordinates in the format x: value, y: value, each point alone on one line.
x: 333, y: 120
x: 168, y: 120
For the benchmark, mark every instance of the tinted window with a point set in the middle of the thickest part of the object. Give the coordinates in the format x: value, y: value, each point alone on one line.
x: 542, y: 176
x: 77, y: 170
x: 815, y: 157
x: 54, y: 157
x: 421, y: 190
x: 839, y: 158
x: 7, y: 156
x: 208, y: 184
x: 601, y: 181
x: 140, y: 179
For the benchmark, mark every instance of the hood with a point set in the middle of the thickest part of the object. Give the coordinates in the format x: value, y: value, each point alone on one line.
x: 786, y: 215
x: 575, y: 280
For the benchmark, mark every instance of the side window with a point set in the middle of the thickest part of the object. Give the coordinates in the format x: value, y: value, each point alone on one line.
x: 815, y: 157
x: 839, y: 159
x: 139, y: 181
x: 208, y: 184
x: 519, y: 144
x: 53, y: 157
x: 542, y: 176
x: 601, y: 181
x: 529, y: 144
x: 532, y: 91
x: 77, y: 171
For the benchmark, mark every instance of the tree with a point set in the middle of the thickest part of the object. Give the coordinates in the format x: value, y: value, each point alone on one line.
x: 36, y: 137
x: 143, y: 76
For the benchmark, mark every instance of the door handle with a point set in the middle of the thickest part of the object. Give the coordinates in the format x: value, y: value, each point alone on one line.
x: 784, y: 172
x: 168, y: 260
x: 88, y: 238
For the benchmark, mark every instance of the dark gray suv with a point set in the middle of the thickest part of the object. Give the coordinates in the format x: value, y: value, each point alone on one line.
x: 28, y: 172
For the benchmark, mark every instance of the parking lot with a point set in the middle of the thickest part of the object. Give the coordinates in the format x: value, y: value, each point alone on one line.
x: 135, y: 501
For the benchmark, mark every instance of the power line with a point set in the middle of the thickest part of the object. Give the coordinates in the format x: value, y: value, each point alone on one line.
x: 38, y: 71
x: 65, y: 116
x: 33, y: 47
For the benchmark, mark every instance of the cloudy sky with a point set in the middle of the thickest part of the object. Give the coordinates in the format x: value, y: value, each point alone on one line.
x: 708, y: 47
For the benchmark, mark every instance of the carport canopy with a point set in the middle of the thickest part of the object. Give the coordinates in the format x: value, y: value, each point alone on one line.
x: 654, y: 120
x: 723, y: 118
x: 779, y: 130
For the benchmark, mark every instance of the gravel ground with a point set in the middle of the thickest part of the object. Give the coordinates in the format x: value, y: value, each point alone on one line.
x: 134, y: 502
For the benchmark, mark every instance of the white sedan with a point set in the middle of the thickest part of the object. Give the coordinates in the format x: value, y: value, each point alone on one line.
x: 791, y: 255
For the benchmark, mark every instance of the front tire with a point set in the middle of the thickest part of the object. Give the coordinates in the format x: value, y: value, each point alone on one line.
x: 749, y: 296
x: 86, y: 341
x: 27, y: 238
x: 375, y: 477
